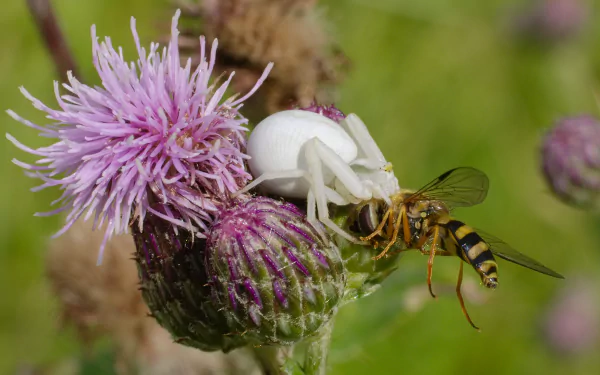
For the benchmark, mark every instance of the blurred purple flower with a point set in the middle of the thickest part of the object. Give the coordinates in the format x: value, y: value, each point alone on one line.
x: 553, y: 20
x: 571, y: 160
x: 572, y: 323
x: 155, y: 134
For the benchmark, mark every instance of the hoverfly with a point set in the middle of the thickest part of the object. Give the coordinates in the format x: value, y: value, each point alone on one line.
x: 421, y: 220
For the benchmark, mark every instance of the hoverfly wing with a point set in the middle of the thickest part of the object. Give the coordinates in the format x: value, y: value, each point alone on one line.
x: 459, y: 187
x: 504, y: 251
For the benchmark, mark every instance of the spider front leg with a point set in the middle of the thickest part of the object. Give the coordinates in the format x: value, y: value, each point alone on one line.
x: 379, y: 176
x: 293, y: 173
x: 317, y: 154
x: 373, y: 157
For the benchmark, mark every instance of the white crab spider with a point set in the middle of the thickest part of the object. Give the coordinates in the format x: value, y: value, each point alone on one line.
x: 301, y: 154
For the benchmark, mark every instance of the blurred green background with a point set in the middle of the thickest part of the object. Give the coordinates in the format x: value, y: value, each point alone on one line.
x: 441, y: 84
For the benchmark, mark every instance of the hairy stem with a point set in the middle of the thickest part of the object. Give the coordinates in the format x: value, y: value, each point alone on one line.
x: 274, y: 359
x: 49, y: 29
x: 315, y: 358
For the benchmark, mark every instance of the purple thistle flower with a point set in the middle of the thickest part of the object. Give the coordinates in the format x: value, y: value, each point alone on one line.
x: 155, y: 134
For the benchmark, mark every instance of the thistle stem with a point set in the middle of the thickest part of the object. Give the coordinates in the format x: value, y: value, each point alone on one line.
x: 273, y: 359
x: 315, y: 358
x: 49, y: 29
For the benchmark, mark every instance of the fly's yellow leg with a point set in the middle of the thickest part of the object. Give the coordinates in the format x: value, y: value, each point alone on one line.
x: 405, y: 226
x: 460, y: 298
x: 402, y: 217
x: 436, y: 236
x: 379, y: 228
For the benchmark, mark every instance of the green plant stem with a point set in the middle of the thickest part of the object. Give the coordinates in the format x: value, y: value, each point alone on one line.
x: 315, y: 358
x: 273, y: 359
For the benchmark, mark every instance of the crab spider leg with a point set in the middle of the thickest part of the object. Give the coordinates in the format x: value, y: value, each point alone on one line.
x: 358, y: 130
x: 325, y: 155
x: 378, y: 192
x: 314, y: 158
x: 311, y: 214
x: 311, y: 205
x: 312, y: 218
x: 335, y: 197
x: 294, y: 173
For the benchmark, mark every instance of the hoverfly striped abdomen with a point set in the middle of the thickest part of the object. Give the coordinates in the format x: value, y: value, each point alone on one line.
x: 474, y: 250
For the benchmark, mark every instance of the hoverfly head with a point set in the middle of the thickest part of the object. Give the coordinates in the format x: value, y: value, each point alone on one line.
x: 368, y: 217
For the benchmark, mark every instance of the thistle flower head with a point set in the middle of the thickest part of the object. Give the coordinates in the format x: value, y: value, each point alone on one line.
x: 154, y: 133
x: 571, y: 160
x: 273, y: 276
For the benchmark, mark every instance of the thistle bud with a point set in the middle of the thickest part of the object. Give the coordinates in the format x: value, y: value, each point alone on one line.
x: 272, y: 275
x: 571, y: 160
x: 174, y: 285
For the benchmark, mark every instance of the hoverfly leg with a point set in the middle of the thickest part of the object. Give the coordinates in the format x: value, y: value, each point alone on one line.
x: 436, y: 233
x: 460, y: 298
x: 406, y: 228
x: 382, y: 254
x: 391, y: 225
x: 401, y: 217
x: 379, y: 227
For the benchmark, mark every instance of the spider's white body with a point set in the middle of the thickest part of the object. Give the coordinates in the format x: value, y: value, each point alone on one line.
x: 301, y: 154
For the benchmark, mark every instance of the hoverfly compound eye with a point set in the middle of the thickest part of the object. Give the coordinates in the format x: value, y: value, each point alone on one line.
x: 303, y: 154
x: 368, y: 218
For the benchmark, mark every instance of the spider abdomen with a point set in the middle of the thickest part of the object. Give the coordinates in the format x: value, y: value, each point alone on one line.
x: 277, y: 144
